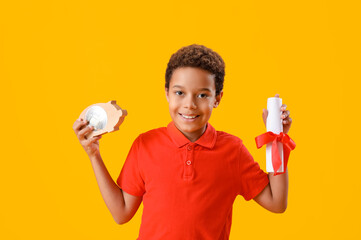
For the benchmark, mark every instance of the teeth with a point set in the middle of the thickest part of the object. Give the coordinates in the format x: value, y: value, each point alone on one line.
x: 188, y: 116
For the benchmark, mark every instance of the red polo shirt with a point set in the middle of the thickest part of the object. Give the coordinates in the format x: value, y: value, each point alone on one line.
x: 189, y: 188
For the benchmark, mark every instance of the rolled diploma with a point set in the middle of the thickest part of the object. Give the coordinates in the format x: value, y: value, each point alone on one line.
x: 274, y: 124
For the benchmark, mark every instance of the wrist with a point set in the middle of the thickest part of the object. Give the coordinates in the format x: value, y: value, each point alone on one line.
x: 94, y: 156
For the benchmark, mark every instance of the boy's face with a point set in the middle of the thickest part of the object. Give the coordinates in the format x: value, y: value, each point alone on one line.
x: 192, y: 97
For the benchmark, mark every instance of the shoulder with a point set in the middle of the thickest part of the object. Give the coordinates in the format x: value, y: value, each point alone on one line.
x: 233, y: 142
x: 152, y: 142
x: 153, y: 135
x: 226, y: 138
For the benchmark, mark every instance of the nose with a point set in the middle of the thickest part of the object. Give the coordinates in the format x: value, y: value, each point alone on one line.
x: 190, y: 102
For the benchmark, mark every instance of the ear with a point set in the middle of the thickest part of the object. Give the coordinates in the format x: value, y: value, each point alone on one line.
x: 218, y: 99
x: 167, y: 93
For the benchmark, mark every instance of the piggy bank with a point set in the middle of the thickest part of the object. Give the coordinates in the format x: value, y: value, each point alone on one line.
x: 104, y: 117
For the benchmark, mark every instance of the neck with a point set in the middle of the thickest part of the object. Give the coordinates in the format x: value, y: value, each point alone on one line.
x: 194, y: 136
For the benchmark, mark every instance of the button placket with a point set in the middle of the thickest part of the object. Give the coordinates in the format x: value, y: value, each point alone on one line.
x: 188, y: 166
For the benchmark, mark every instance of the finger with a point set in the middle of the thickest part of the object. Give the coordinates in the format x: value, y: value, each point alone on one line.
x: 283, y: 107
x: 78, y: 125
x: 84, y: 131
x: 94, y: 139
x: 287, y: 121
x: 285, y: 114
x: 264, y: 116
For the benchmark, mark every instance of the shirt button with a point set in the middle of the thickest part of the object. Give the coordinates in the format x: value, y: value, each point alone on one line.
x: 189, y: 162
x: 189, y: 147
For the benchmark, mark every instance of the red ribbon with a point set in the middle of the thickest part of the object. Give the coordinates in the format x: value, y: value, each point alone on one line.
x: 288, y: 146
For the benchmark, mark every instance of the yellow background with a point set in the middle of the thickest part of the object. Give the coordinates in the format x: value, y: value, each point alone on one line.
x: 58, y: 57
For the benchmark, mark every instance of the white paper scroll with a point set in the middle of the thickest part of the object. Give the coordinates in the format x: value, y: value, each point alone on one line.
x: 274, y: 124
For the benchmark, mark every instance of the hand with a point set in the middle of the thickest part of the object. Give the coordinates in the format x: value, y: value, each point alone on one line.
x: 91, y: 145
x: 287, y: 121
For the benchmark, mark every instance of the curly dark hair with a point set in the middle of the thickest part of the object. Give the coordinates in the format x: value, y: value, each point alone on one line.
x: 197, y: 56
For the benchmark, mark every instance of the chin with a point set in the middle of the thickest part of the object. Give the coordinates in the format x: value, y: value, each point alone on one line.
x: 189, y: 128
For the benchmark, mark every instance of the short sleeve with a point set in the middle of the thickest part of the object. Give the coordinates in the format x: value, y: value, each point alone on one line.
x: 130, y: 179
x: 252, y: 178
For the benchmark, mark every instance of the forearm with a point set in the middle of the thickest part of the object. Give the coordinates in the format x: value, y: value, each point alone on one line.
x: 279, y: 190
x: 111, y: 193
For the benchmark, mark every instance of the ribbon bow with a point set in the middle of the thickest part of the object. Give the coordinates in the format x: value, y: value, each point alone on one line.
x: 288, y: 146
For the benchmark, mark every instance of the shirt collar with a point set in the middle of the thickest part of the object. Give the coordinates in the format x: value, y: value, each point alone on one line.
x: 208, y: 138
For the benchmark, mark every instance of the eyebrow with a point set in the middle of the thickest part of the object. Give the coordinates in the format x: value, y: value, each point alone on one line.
x: 201, y: 89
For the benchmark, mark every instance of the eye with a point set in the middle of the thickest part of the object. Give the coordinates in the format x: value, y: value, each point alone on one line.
x: 179, y: 93
x: 202, y: 95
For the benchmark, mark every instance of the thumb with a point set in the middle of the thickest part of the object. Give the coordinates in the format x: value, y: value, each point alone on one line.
x: 264, y: 116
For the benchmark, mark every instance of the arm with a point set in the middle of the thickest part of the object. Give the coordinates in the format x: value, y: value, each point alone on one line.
x: 121, y: 205
x: 274, y: 196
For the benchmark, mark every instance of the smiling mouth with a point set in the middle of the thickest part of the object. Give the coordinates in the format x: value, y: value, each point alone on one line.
x: 189, y: 116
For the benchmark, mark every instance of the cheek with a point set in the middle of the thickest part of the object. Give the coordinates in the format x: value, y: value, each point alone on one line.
x: 207, y: 107
x: 211, y: 103
x: 172, y: 105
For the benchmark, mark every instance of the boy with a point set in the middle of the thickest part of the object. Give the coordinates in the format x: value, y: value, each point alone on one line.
x: 187, y: 174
